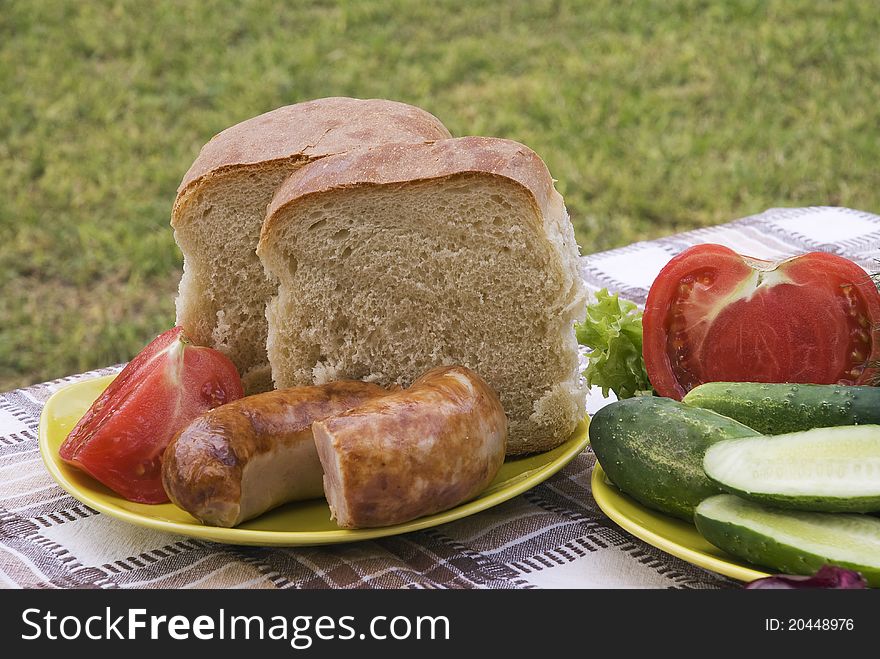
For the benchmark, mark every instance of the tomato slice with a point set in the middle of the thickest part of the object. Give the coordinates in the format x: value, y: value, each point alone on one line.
x: 713, y: 315
x: 120, y: 439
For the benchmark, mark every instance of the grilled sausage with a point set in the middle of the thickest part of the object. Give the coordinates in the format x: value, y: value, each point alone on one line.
x: 243, y: 458
x: 414, y: 452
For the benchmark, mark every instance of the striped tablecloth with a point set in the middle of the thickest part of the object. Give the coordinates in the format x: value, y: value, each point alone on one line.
x: 553, y: 536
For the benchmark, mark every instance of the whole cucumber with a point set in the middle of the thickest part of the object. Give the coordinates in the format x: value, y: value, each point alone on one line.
x: 774, y: 409
x: 652, y: 449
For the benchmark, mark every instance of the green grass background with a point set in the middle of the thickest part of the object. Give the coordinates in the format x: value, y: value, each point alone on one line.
x: 655, y: 117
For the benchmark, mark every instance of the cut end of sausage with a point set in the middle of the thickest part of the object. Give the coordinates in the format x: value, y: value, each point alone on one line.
x: 412, y: 453
x: 333, y: 479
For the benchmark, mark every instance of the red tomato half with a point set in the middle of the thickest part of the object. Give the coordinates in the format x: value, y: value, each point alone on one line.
x: 121, y: 438
x: 715, y: 316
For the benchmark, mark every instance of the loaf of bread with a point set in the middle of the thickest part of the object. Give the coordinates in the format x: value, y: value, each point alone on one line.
x: 394, y: 259
x: 221, y: 204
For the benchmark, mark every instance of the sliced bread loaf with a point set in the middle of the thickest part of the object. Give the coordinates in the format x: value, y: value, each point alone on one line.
x: 221, y: 204
x: 398, y: 258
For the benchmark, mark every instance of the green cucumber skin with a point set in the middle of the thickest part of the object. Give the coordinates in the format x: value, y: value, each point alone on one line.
x: 809, y: 504
x: 760, y: 549
x: 652, y: 449
x: 774, y: 409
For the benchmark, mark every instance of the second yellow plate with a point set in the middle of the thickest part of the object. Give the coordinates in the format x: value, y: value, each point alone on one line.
x: 672, y: 535
x: 303, y: 523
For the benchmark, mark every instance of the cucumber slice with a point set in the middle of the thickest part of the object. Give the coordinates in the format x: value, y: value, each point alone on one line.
x: 791, y: 542
x: 824, y: 469
x: 773, y: 409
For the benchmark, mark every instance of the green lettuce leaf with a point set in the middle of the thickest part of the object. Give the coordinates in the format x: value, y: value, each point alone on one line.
x: 613, y: 331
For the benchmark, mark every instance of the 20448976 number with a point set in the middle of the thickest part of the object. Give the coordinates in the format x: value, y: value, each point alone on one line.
x: 809, y: 624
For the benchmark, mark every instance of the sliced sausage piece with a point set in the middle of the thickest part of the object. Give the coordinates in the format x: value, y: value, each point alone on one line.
x: 414, y: 452
x: 241, y: 459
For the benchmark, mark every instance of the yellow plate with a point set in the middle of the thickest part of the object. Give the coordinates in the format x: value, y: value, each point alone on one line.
x: 302, y: 523
x: 672, y: 535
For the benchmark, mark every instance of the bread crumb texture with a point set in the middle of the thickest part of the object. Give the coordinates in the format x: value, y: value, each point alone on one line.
x: 393, y: 260
x: 221, y: 205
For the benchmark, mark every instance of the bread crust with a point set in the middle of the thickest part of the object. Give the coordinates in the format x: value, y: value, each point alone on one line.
x: 389, y: 164
x: 306, y: 131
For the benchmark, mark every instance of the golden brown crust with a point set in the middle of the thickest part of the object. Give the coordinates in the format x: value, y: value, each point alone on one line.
x: 412, y: 453
x: 203, y: 466
x: 394, y: 164
x: 306, y: 131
